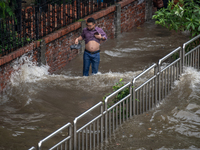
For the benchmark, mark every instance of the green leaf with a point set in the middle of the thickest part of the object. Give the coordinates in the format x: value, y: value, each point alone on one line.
x: 199, y: 28
x: 193, y: 27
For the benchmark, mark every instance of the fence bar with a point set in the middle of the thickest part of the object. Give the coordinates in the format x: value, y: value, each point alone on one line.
x: 184, y: 47
x: 56, y: 132
x: 32, y: 148
x: 100, y: 104
x: 160, y: 89
x: 106, y: 105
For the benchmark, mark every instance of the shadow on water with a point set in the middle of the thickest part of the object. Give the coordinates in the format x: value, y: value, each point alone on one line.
x: 36, y: 103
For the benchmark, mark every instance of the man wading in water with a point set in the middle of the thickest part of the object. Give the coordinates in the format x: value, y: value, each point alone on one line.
x: 92, y: 36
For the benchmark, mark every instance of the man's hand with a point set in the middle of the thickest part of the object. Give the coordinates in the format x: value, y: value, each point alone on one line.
x: 76, y: 41
x: 98, y: 36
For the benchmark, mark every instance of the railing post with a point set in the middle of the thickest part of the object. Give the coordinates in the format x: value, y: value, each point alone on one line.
x: 117, y: 20
x: 130, y: 99
x: 70, y: 141
x: 75, y: 134
x: 184, y: 45
x: 78, y: 10
x: 102, y: 123
x: 106, y: 119
x: 181, y: 59
x: 18, y: 13
x: 159, y: 82
x: 133, y: 92
x: 36, y: 20
x: 155, y: 83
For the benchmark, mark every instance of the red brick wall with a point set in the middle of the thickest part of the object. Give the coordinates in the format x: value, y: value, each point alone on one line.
x: 58, y: 52
x: 5, y: 72
x: 132, y: 15
x: 7, y: 68
x: 107, y: 24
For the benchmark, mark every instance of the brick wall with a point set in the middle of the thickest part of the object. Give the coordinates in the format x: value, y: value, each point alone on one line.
x: 58, y: 52
x: 107, y: 24
x: 132, y: 15
x: 57, y: 45
x: 6, y: 69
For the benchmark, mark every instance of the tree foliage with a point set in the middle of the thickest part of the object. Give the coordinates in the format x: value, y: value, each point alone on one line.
x: 5, y: 9
x: 185, y: 15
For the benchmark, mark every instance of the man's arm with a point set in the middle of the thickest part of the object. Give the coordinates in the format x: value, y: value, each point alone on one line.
x: 78, y: 39
x: 103, y: 34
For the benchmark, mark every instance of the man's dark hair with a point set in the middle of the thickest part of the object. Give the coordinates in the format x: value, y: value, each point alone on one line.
x: 89, y: 20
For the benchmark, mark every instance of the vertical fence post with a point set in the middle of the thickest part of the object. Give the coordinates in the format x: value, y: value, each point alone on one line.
x: 75, y: 121
x: 19, y: 18
x: 106, y: 119
x: 78, y: 10
x: 133, y: 95
x: 183, y: 64
x: 130, y: 99
x: 181, y: 61
x: 117, y: 20
x: 37, y: 20
x: 70, y: 141
x: 64, y: 13
x: 102, y: 123
x: 159, y: 82
x: 156, y: 87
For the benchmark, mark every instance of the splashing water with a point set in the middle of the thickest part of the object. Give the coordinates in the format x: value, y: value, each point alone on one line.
x: 27, y: 71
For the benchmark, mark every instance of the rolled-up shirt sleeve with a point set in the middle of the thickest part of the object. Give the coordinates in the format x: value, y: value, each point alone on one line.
x: 103, y: 34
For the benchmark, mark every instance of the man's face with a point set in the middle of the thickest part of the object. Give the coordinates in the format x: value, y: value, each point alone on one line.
x: 90, y: 25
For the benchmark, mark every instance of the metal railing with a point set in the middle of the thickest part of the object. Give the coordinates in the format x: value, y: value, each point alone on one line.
x: 32, y: 148
x: 191, y: 58
x: 141, y: 97
x: 125, y: 104
x: 41, y: 18
x: 168, y: 74
x: 65, y: 143
x: 90, y: 134
x: 144, y: 96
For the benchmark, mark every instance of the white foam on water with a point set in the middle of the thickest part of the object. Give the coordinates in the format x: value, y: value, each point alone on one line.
x: 27, y: 71
x: 114, y: 54
x: 128, y: 49
x: 29, y: 78
x: 193, y: 75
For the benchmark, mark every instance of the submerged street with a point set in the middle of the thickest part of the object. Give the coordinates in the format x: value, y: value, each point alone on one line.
x: 36, y: 103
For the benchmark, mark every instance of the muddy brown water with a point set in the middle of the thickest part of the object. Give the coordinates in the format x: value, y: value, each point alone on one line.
x: 35, y: 103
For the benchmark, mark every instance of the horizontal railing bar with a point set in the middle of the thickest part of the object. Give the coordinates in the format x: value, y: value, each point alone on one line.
x: 170, y: 65
x: 89, y: 110
x: 119, y: 102
x: 93, y: 120
x: 54, y: 133
x: 67, y: 138
x: 167, y: 56
x: 32, y: 148
x: 188, y: 42
x: 145, y: 82
x: 192, y: 50
x: 151, y: 67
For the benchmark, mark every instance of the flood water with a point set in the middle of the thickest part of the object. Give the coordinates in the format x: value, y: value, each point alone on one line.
x: 172, y: 125
x: 36, y: 103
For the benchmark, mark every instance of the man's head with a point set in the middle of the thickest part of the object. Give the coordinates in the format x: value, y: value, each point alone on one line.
x: 90, y: 23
